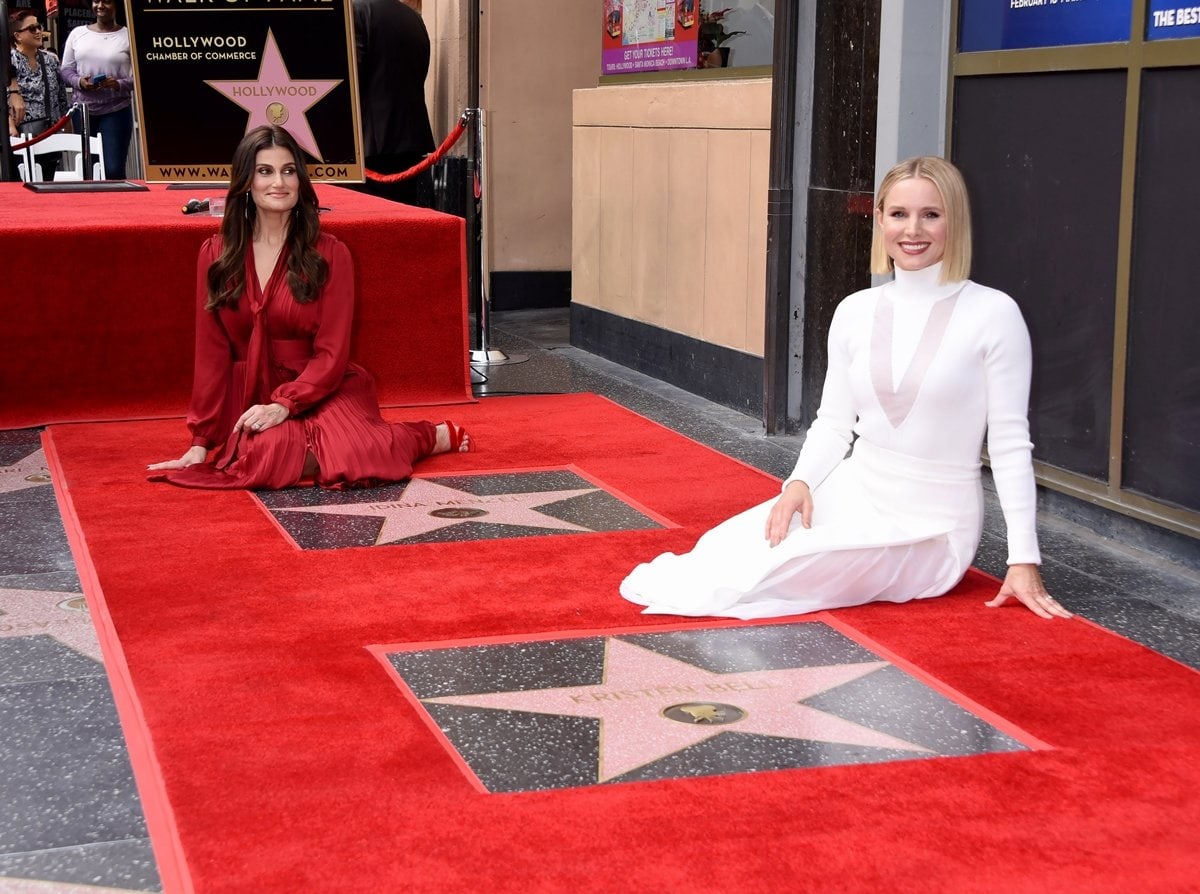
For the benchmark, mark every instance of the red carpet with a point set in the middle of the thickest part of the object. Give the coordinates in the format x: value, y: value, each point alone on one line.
x: 287, y: 761
x: 100, y: 295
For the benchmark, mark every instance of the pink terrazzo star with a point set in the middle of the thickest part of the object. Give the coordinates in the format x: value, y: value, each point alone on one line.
x: 63, y: 616
x: 413, y: 513
x: 28, y: 472
x: 275, y: 98
x: 639, y: 685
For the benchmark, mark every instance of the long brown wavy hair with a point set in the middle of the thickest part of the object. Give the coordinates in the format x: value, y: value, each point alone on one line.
x: 306, y: 269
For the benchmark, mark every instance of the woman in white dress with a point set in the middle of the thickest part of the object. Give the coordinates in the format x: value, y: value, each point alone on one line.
x: 919, y: 369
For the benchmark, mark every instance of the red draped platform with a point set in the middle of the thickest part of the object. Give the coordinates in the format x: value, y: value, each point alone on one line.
x: 99, y: 291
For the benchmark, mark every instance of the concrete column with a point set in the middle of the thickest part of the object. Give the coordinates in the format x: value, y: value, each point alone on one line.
x: 914, y: 56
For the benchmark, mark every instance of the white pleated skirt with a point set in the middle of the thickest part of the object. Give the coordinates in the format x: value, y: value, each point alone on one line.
x: 885, y: 527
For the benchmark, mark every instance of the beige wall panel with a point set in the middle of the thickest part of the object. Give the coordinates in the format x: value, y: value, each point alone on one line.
x: 714, y: 269
x: 756, y: 254
x: 688, y: 194
x: 726, y: 238
x: 446, y: 86
x: 585, y: 225
x: 536, y: 55
x: 651, y: 165
x: 728, y: 105
x: 616, y: 219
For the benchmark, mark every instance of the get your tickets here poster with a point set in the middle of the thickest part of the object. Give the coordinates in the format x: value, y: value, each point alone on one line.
x: 649, y: 35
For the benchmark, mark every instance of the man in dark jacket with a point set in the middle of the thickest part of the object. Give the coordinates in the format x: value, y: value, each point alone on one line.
x: 393, y: 62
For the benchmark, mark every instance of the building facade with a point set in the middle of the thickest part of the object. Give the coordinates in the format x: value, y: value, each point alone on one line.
x: 1074, y: 125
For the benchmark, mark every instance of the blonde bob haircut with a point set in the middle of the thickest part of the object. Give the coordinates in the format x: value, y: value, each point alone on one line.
x: 956, y: 263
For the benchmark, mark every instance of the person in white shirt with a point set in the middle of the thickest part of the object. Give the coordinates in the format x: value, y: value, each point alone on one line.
x: 98, y: 64
x: 919, y: 369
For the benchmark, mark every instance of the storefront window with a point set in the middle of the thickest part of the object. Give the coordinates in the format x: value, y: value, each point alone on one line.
x: 641, y: 36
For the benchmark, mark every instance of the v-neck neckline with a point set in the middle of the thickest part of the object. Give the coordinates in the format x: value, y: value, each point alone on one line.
x: 897, y: 401
x: 264, y: 287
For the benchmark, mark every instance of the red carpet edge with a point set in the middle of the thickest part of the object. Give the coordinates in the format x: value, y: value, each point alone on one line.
x: 160, y: 820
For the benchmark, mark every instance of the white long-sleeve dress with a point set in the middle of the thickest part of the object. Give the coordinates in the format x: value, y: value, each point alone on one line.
x: 918, y: 371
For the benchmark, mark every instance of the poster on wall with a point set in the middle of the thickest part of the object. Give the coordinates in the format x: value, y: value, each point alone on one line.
x: 1024, y: 24
x: 1170, y: 19
x: 649, y: 35
x: 207, y: 73
x: 69, y: 15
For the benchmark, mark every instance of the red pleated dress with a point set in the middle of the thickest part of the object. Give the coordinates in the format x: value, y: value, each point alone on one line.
x: 271, y: 349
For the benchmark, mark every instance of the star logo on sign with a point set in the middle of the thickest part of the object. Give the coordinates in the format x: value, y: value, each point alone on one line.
x: 63, y: 616
x: 28, y: 472
x: 426, y: 506
x: 275, y: 98
x: 635, y: 700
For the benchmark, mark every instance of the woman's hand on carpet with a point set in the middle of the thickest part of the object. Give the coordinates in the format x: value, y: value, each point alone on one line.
x: 796, y: 498
x: 1024, y: 583
x: 260, y: 417
x: 193, y: 456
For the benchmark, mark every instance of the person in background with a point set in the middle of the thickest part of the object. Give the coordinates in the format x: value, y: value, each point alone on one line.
x: 41, y: 84
x: 393, y: 52
x: 13, y: 101
x: 275, y: 399
x: 919, y: 368
x: 98, y: 65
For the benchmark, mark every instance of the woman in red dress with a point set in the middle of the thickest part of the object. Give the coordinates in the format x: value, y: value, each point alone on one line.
x: 275, y: 399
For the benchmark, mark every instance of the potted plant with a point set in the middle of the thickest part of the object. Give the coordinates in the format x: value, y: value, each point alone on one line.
x: 713, y: 37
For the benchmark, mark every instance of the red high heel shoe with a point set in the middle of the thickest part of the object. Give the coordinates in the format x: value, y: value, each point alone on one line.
x: 460, y: 439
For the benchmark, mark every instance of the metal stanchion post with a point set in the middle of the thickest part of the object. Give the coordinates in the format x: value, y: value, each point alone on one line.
x: 483, y: 354
x: 85, y: 137
x: 478, y: 300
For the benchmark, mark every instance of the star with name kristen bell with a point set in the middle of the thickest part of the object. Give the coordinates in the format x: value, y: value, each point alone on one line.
x: 426, y: 506
x: 30, y: 471
x: 651, y: 706
x: 276, y: 98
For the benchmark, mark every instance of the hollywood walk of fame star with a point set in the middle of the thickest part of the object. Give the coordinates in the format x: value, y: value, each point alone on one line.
x: 426, y: 506
x: 639, y: 685
x: 28, y: 472
x: 275, y: 98
x: 63, y: 616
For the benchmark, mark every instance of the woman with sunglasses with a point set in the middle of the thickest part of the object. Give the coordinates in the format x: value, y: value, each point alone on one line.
x: 39, y: 81
x: 98, y: 65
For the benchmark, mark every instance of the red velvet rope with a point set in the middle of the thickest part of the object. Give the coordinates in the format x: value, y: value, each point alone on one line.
x: 424, y: 164
x: 33, y: 141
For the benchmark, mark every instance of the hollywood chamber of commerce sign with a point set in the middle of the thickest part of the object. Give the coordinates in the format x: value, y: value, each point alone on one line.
x: 208, y: 71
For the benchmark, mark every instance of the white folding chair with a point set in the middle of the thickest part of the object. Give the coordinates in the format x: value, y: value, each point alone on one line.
x: 29, y: 169
x: 69, y: 148
x: 72, y: 145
